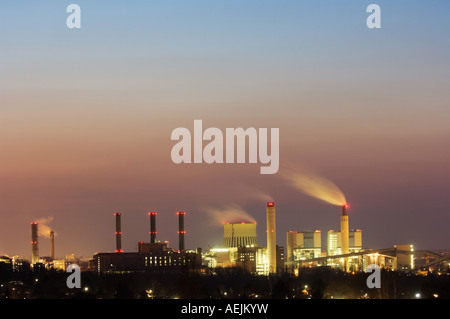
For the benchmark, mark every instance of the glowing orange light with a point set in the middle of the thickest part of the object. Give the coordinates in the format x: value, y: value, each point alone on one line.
x: 270, y: 204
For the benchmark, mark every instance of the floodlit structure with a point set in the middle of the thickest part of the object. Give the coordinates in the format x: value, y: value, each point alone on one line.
x: 344, y: 230
x: 334, y: 242
x: 303, y: 245
x: 239, y: 235
x: 271, y: 238
x: 405, y: 257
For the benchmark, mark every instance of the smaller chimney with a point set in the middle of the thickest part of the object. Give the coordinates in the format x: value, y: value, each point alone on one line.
x: 118, y: 233
x: 34, y: 243
x: 181, y: 231
x: 52, y: 244
x: 152, y: 227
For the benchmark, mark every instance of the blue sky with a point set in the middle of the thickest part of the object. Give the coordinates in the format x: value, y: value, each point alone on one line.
x: 87, y: 114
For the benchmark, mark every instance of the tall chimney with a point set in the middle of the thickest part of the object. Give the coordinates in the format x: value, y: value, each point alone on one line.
x: 271, y: 238
x: 152, y: 227
x: 118, y: 233
x: 34, y: 243
x: 344, y: 234
x: 181, y: 231
x: 52, y: 244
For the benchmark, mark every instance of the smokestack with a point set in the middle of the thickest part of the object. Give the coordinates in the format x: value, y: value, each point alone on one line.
x: 152, y: 227
x: 271, y: 238
x: 52, y: 244
x: 181, y: 231
x: 118, y: 233
x: 34, y: 243
x: 344, y: 234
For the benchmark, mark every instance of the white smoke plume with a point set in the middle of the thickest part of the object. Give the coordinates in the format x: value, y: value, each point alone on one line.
x: 228, y: 214
x: 43, y: 227
x: 314, y: 185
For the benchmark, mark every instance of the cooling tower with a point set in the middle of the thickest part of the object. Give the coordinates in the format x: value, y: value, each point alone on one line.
x: 271, y: 238
x: 34, y: 243
x: 239, y: 235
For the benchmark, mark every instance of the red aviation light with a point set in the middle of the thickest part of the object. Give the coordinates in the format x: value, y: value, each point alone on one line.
x: 181, y: 213
x: 346, y: 206
x: 115, y: 214
x: 270, y: 204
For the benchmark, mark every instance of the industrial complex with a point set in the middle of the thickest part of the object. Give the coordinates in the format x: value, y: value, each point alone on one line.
x: 241, y: 249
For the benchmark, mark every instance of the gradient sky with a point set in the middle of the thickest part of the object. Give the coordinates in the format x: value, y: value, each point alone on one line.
x: 86, y: 117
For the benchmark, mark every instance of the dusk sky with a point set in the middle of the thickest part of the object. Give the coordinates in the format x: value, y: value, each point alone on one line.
x: 86, y: 117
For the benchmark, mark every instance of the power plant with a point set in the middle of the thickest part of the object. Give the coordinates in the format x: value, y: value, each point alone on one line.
x: 154, y: 256
x: 239, y: 249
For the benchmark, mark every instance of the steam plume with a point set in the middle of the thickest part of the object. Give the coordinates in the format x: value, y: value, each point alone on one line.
x: 315, y: 186
x: 44, y: 229
x: 229, y: 214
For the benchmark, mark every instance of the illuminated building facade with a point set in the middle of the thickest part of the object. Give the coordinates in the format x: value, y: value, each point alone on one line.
x: 239, y: 235
x: 303, y: 245
x: 334, y: 243
x: 405, y: 257
x: 150, y: 257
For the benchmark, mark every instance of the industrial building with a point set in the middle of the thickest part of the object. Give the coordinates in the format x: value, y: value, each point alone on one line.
x: 240, y: 248
x: 239, y: 235
x: 128, y: 262
x: 38, y: 261
x: 334, y: 242
x: 152, y: 256
x: 303, y: 245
